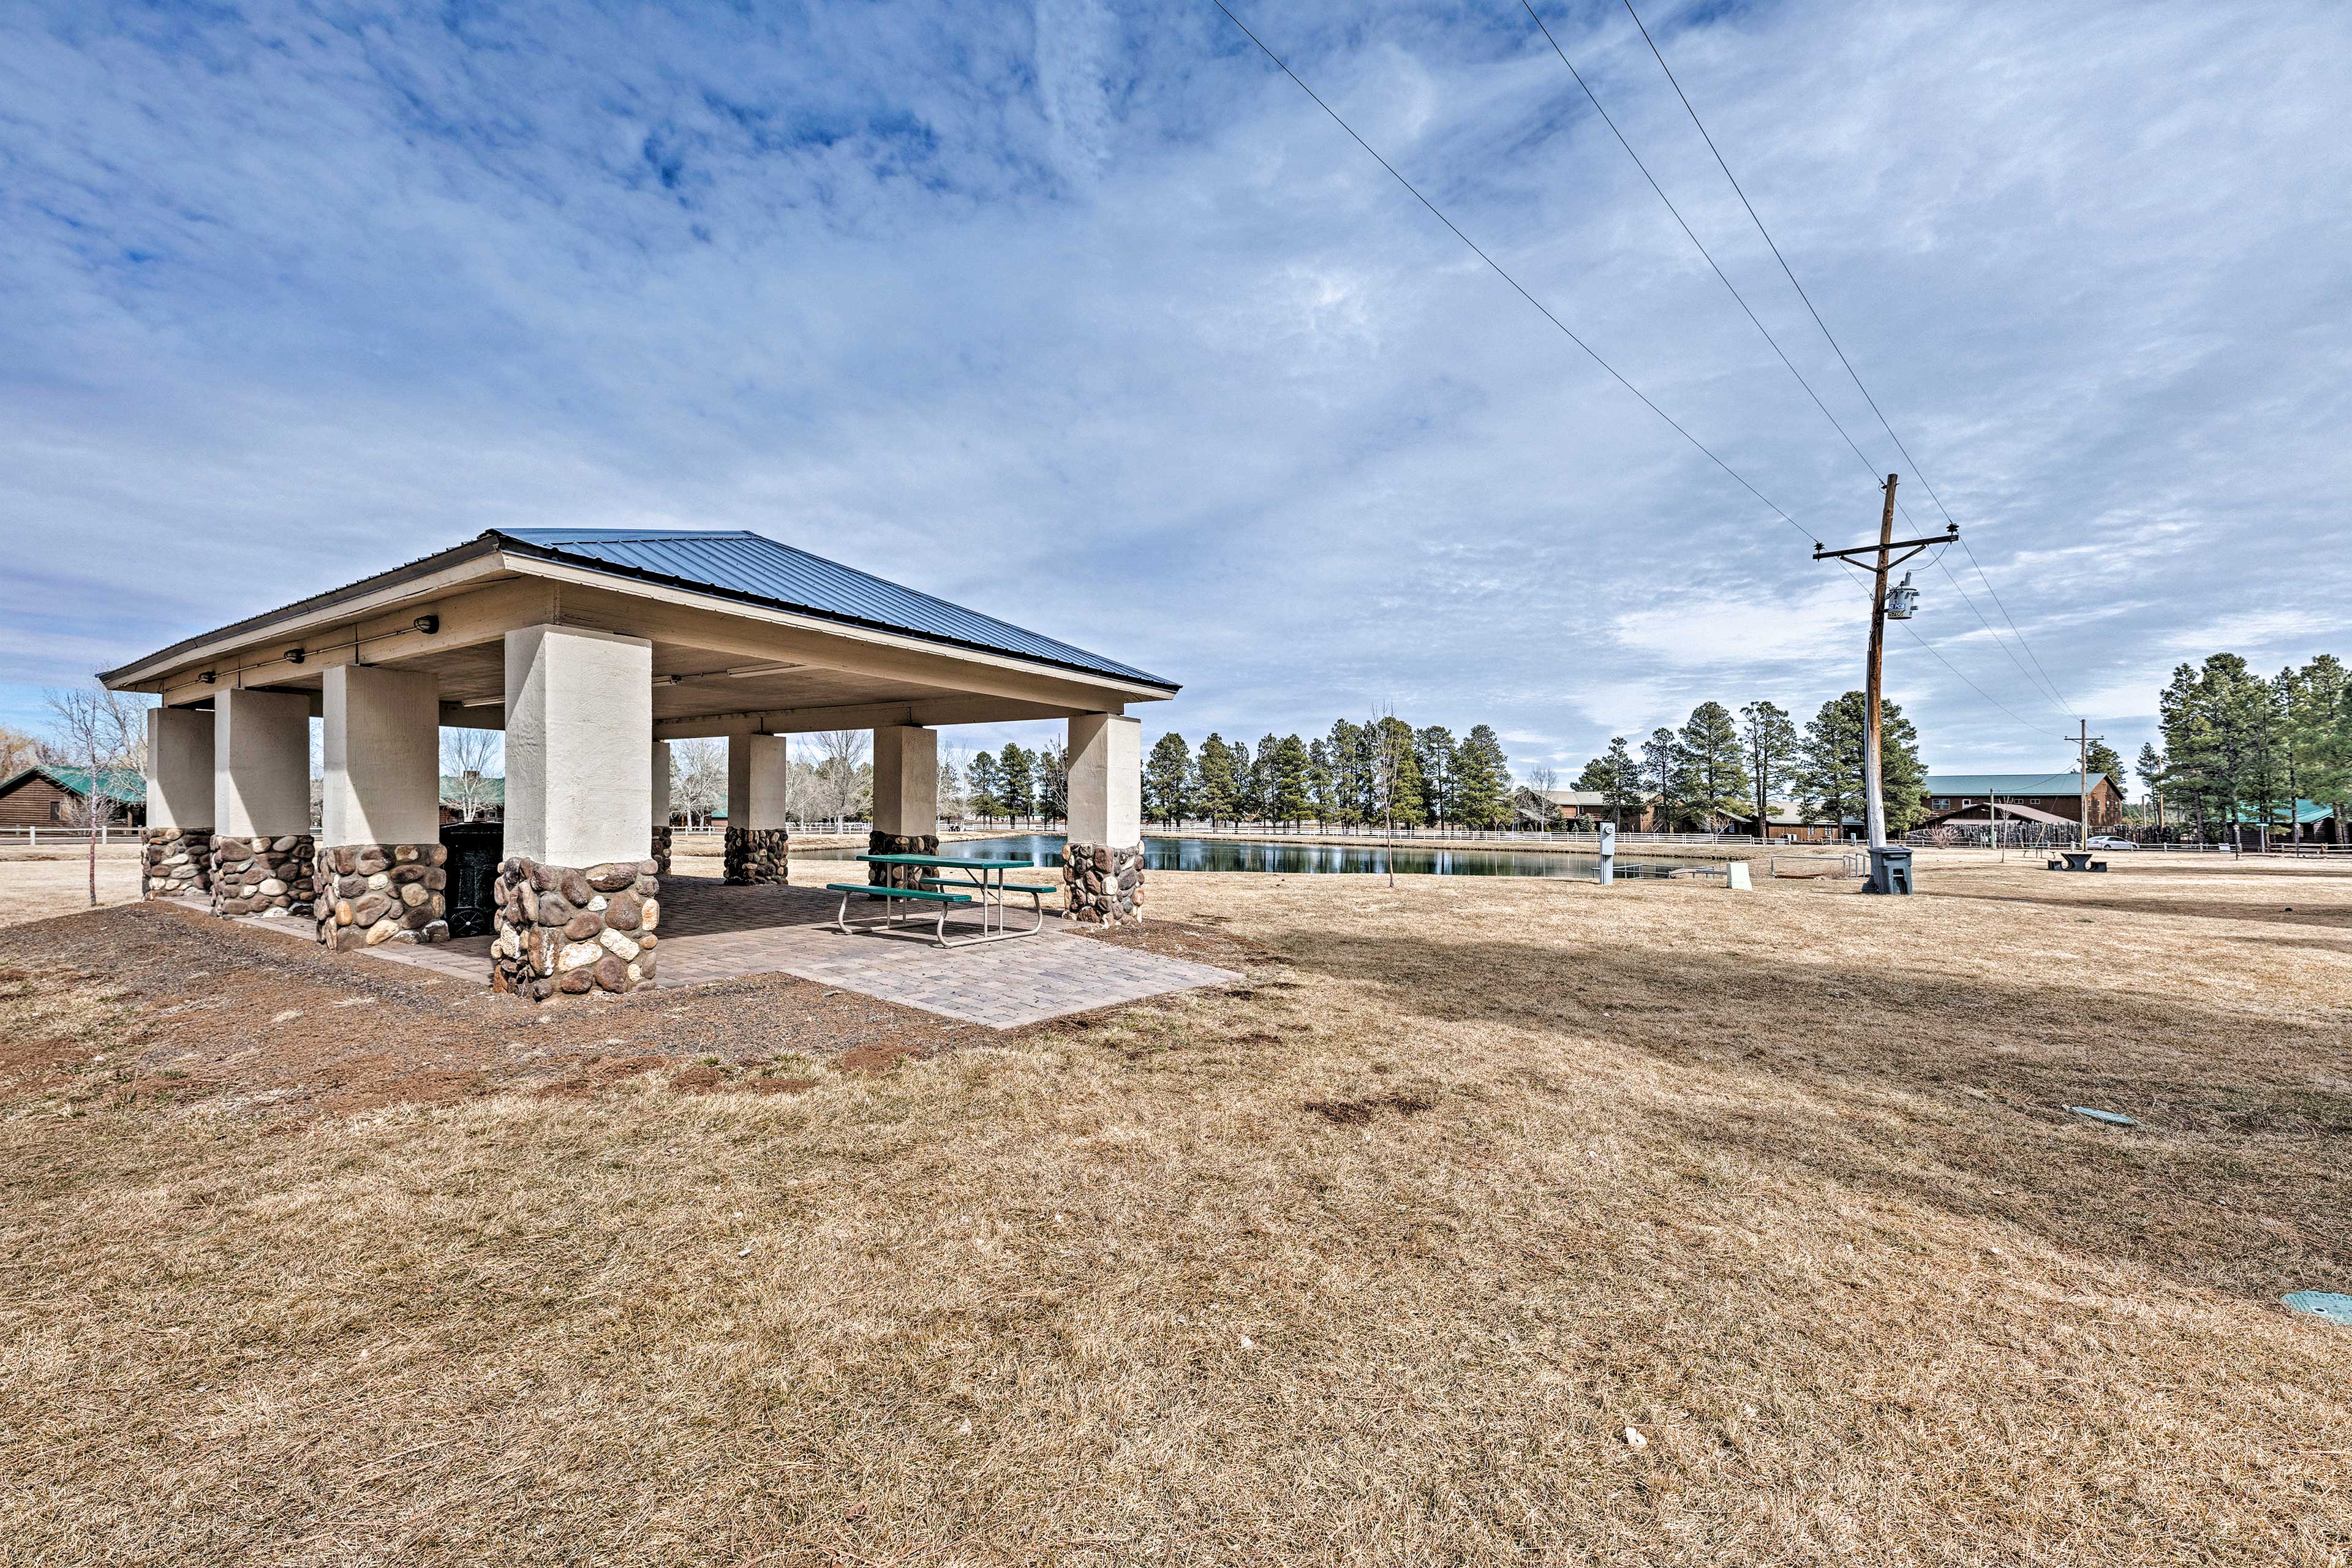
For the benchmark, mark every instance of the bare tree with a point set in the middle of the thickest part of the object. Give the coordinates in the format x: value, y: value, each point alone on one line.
x: 698, y: 778
x: 1541, y: 781
x: 18, y: 752
x: 105, y: 733
x: 467, y: 759
x: 954, y: 802
x: 841, y: 771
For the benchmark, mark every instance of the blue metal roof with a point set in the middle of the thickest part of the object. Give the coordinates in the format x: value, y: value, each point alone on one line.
x: 739, y: 564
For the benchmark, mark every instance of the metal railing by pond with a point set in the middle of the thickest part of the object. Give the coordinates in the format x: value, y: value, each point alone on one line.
x: 1829, y: 866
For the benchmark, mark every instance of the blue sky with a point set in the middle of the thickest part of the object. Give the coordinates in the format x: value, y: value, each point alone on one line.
x: 1088, y: 317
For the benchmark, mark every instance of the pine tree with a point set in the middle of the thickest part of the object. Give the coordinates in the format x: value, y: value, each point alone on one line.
x: 1168, y: 779
x: 1482, y: 783
x: 1259, y: 802
x: 1433, y: 750
x: 1288, y: 794
x: 1706, y: 756
x: 1768, y: 741
x: 986, y: 783
x: 2103, y: 761
x: 1344, y: 749
x: 1830, y: 771
x: 1320, y: 781
x: 1016, y: 776
x: 1214, y: 779
x: 1620, y: 784
x: 1662, y: 779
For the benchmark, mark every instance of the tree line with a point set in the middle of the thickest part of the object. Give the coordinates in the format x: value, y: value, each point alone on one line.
x: 1381, y: 773
x: 2242, y: 749
x: 1715, y: 767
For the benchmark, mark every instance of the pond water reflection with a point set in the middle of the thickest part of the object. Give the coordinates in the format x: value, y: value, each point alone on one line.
x: 1183, y: 853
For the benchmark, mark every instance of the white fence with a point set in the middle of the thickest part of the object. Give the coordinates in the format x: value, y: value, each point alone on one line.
x: 62, y: 835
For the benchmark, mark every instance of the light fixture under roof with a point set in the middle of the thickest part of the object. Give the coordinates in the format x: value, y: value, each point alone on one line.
x: 742, y: 671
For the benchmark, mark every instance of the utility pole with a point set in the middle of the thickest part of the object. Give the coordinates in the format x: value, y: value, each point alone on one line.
x: 1890, y: 870
x: 1874, y: 798
x: 2083, y: 778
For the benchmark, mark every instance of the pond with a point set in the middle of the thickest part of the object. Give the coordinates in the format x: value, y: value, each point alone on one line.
x: 1167, y: 854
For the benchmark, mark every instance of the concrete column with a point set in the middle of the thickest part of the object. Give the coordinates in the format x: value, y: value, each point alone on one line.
x: 261, y: 763
x: 758, y: 843
x: 179, y: 768
x: 660, y: 847
x: 263, y: 857
x: 756, y: 775
x: 383, y: 758
x: 579, y: 725
x: 175, y: 855
x: 1102, y: 869
x: 907, y: 781
x: 1106, y: 780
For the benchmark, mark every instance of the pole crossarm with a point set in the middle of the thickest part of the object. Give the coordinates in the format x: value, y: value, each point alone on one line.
x: 1911, y: 545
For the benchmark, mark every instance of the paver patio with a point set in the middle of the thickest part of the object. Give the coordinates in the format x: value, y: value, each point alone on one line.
x: 711, y: 931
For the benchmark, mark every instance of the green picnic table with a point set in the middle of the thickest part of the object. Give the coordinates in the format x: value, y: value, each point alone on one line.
x: 977, y: 882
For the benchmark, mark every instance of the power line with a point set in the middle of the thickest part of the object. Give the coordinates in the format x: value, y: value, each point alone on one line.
x: 1590, y: 351
x: 1550, y: 37
x: 2005, y: 616
x: 1594, y: 354
x: 2031, y: 728
x: 1728, y: 283
x: 1852, y: 374
x: 1937, y: 561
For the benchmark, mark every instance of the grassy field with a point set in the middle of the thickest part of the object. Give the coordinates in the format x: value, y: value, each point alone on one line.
x: 36, y: 883
x: 1491, y: 1221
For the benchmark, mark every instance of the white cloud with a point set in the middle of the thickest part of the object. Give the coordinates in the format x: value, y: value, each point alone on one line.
x: 1102, y: 309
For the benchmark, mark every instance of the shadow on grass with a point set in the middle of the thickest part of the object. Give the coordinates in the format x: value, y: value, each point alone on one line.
x: 2289, y: 911
x: 1951, y: 1091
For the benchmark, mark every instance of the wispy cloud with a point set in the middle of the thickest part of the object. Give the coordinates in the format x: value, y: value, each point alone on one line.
x: 1057, y: 306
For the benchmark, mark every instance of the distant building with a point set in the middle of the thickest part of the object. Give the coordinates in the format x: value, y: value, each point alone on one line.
x: 52, y: 797
x: 1579, y: 807
x: 1958, y: 800
x: 1785, y: 823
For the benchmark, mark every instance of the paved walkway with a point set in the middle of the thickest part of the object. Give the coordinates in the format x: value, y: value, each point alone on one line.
x: 713, y: 931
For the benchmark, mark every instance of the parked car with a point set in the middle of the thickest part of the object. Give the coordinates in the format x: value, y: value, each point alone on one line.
x: 2107, y: 841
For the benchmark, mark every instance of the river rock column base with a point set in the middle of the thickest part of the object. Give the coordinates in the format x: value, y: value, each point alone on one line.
x: 263, y: 876
x: 880, y: 843
x: 370, y: 894
x: 1102, y: 885
x: 661, y: 850
x: 758, y: 854
x: 175, y: 861
x: 568, y: 931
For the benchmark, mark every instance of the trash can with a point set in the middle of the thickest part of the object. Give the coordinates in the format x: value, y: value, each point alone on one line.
x: 1890, y: 871
x: 474, y: 850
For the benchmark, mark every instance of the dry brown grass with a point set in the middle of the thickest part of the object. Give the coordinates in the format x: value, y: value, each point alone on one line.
x: 39, y: 882
x: 1373, y: 1259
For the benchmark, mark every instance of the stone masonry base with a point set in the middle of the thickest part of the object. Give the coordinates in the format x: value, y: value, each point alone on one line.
x: 173, y: 861
x: 1102, y: 885
x: 660, y: 850
x: 880, y: 843
x: 374, y: 894
x: 571, y: 930
x: 262, y: 876
x: 758, y: 854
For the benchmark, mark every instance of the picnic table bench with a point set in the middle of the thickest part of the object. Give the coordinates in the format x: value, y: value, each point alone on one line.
x: 2077, y: 861
x: 978, y: 884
